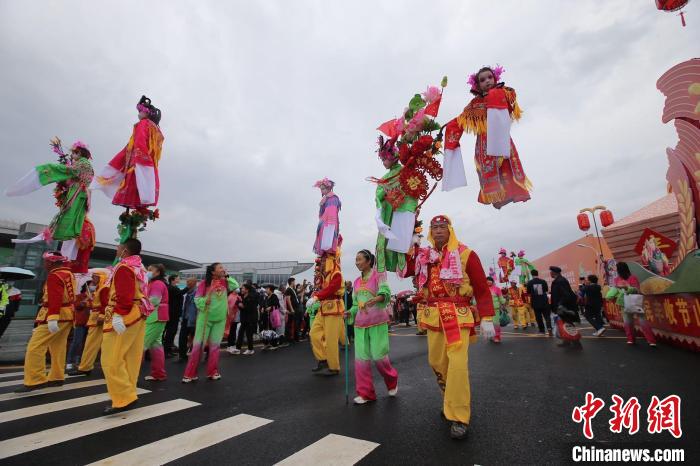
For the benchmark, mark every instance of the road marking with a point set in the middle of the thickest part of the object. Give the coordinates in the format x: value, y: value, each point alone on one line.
x: 10, y: 383
x: 36, y: 410
x: 11, y: 374
x: 175, y: 447
x: 44, y: 391
x: 46, y: 438
x: 332, y: 450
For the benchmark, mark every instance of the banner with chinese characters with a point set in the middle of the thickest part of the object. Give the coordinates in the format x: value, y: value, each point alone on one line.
x: 674, y: 318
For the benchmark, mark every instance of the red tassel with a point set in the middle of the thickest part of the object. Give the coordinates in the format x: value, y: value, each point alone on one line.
x: 682, y: 19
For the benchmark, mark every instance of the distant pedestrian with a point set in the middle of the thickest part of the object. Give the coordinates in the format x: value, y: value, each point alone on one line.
x: 188, y: 321
x: 80, y: 318
x: 538, y: 289
x: 248, y: 306
x: 593, y: 302
x: 175, y: 295
x: 348, y: 300
x: 234, y: 318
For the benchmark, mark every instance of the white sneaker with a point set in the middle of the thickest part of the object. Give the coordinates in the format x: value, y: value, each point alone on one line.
x: 394, y: 390
x: 358, y: 400
x: 598, y: 333
x: 248, y: 352
x: 233, y: 350
x: 189, y: 379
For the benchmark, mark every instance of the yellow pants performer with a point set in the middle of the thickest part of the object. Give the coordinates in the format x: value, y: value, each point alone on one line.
x: 450, y: 364
x: 531, y: 314
x: 121, y: 363
x: 35, y: 360
x: 326, y: 333
x: 92, y: 347
x: 54, y: 321
x: 520, y: 317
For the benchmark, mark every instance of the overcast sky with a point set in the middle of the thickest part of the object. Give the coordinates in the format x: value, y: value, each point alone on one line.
x: 261, y: 99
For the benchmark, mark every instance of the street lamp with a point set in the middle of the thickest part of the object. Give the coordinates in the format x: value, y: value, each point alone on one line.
x: 598, y: 257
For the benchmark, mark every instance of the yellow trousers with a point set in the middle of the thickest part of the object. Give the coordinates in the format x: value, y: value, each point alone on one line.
x: 121, y: 362
x: 35, y: 359
x: 450, y: 365
x: 92, y: 347
x: 531, y: 314
x: 520, y: 316
x: 326, y: 333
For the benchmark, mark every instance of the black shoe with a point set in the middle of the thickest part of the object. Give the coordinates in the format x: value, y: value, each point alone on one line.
x: 30, y: 388
x: 320, y: 366
x: 329, y: 372
x: 110, y: 410
x: 459, y: 431
x: 76, y: 372
x: 54, y: 383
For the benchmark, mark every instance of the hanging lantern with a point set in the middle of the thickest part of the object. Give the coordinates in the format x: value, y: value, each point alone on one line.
x: 672, y: 5
x: 606, y: 218
x: 584, y: 223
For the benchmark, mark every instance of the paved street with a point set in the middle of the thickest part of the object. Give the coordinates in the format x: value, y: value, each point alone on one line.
x: 523, y: 392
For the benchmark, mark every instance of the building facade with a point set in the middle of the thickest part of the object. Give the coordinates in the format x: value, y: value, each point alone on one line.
x: 275, y: 273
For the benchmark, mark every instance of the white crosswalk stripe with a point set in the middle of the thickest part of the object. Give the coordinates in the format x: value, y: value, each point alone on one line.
x: 37, y: 410
x: 44, y: 391
x: 175, y: 447
x: 10, y: 383
x: 45, y: 438
x: 10, y: 374
x: 331, y: 450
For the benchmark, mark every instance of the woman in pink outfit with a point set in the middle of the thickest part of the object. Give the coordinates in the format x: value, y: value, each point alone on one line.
x: 630, y: 284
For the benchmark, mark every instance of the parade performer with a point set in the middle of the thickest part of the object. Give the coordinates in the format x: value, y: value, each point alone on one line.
x: 53, y: 324
x: 72, y: 175
x: 327, y: 330
x: 627, y: 294
x: 449, y: 275
x: 124, y: 327
x: 371, y: 295
x: 525, y: 268
x: 155, y: 323
x: 328, y: 222
x: 131, y: 178
x: 100, y: 298
x: 211, y: 300
x: 499, y: 303
x: 489, y: 117
x: 396, y: 212
x: 506, y: 265
x: 81, y: 248
x: 518, y: 308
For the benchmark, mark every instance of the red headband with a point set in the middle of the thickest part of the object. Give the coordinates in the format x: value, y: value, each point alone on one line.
x: 439, y: 220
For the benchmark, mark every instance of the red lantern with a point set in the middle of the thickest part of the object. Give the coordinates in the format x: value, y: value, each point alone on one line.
x: 584, y: 223
x: 672, y: 5
x: 606, y: 218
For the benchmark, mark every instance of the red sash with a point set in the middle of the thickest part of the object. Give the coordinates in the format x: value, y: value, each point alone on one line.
x: 446, y: 307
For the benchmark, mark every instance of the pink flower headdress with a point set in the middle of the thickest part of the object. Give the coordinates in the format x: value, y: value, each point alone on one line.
x: 324, y: 182
x: 497, y: 72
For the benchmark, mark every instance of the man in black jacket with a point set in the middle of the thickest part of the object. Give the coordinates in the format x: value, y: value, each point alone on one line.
x: 593, y: 301
x: 537, y: 289
x: 175, y: 302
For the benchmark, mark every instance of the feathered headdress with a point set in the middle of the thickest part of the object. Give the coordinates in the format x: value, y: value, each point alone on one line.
x: 497, y: 71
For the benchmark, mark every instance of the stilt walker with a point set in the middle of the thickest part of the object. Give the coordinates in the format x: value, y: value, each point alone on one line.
x: 449, y: 275
x: 371, y: 295
x: 72, y: 175
x: 53, y: 324
x: 489, y: 116
x: 131, y: 178
x: 124, y: 327
x: 327, y: 330
x: 93, y: 342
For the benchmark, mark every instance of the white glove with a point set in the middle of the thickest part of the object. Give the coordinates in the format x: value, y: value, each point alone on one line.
x: 487, y: 330
x: 311, y: 302
x: 53, y: 326
x: 118, y: 324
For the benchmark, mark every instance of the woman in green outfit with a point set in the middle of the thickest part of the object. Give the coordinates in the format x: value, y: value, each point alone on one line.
x: 72, y: 178
x: 371, y: 295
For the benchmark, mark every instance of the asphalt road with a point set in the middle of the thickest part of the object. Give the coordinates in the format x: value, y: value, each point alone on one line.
x: 523, y: 393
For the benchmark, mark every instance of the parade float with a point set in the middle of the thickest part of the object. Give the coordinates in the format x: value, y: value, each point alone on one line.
x: 660, y: 241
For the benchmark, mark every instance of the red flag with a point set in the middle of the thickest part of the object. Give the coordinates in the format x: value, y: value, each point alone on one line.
x: 389, y: 128
x: 433, y: 108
